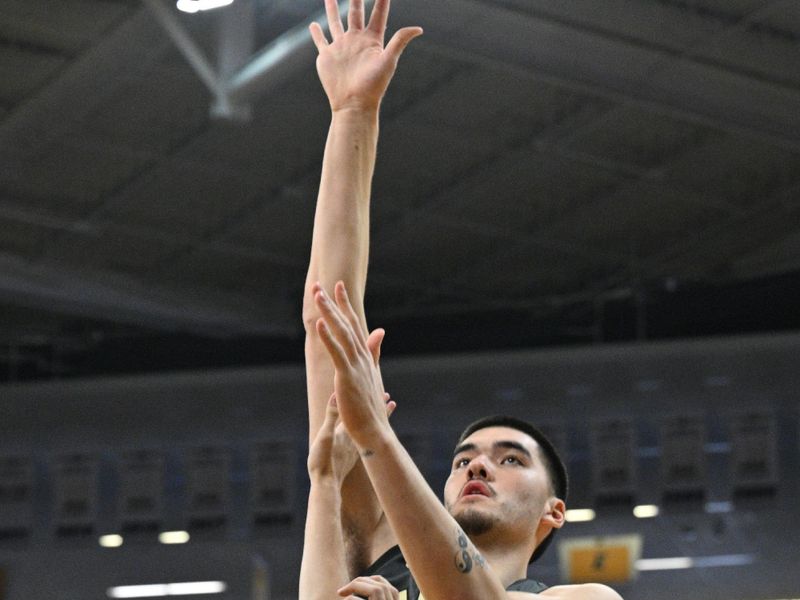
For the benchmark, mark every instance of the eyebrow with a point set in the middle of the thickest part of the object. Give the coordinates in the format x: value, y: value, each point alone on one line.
x: 508, y: 444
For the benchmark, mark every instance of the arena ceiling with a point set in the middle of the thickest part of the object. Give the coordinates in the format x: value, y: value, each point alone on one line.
x: 549, y: 172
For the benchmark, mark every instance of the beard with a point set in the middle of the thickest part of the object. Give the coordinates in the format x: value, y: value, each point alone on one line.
x: 475, y: 523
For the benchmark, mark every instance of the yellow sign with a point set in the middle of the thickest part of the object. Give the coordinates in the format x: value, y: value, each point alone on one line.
x: 608, y: 559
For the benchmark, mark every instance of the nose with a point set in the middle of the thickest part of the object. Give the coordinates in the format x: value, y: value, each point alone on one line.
x: 478, y: 468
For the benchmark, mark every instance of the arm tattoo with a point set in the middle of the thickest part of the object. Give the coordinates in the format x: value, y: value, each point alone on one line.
x: 463, y: 559
x: 479, y: 560
x: 367, y: 453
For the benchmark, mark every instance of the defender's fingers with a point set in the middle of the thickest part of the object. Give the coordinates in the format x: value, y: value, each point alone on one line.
x: 401, y: 39
x: 331, y: 417
x: 333, y: 347
x: 379, y: 17
x: 320, y: 41
x: 334, y: 19
x: 355, y: 16
x: 364, y: 586
x: 337, y: 324
x: 374, y: 344
x: 394, y: 594
x: 346, y: 307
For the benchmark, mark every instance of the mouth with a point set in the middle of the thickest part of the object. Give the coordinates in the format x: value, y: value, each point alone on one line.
x: 476, y: 488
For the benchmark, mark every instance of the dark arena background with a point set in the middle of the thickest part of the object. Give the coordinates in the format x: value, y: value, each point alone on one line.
x: 585, y: 213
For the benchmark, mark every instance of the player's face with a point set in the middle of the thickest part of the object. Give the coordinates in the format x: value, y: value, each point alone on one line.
x: 497, y: 479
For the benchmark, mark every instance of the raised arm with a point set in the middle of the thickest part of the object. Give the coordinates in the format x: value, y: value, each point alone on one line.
x: 355, y: 69
x: 323, y: 572
x: 323, y: 569
x: 444, y: 562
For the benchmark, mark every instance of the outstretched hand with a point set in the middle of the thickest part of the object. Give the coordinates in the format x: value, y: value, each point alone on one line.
x: 357, y: 381
x: 355, y: 68
x: 332, y: 453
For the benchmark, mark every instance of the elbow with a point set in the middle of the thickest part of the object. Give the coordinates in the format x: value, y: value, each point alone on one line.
x: 311, y: 313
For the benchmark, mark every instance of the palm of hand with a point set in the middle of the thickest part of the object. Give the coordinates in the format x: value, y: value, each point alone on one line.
x: 355, y: 70
x: 344, y: 453
x: 332, y: 453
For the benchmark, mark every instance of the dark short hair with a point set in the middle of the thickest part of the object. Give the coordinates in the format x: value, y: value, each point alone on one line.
x: 552, y: 461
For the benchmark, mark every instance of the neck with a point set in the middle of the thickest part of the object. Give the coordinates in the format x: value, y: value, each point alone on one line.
x: 508, y: 560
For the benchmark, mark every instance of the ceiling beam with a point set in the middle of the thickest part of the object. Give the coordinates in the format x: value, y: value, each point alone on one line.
x: 93, y: 228
x: 127, y: 52
x: 718, y: 247
x: 110, y: 296
x: 611, y: 67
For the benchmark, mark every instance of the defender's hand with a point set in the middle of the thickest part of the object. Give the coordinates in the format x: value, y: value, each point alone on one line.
x: 332, y: 453
x: 355, y: 69
x: 374, y: 588
x: 321, y: 462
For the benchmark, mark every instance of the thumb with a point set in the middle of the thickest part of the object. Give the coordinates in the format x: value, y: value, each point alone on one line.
x: 374, y: 342
x: 391, y: 405
x: 331, y: 415
x: 401, y: 39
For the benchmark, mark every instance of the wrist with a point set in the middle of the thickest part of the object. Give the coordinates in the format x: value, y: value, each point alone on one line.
x: 364, y: 115
x: 375, y: 441
x: 324, y: 483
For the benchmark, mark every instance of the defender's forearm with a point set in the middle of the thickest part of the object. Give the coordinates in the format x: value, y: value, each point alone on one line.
x: 323, y: 569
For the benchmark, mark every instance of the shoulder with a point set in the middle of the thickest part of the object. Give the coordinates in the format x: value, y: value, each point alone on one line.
x: 586, y: 591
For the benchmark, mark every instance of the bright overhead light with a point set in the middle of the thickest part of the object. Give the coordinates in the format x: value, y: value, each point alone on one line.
x: 138, y: 591
x: 664, y: 564
x: 110, y: 541
x: 698, y: 562
x: 193, y: 6
x: 160, y: 590
x: 645, y: 511
x: 195, y: 588
x: 173, y: 537
x: 579, y: 515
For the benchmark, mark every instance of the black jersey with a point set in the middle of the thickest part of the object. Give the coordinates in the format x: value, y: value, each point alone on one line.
x: 392, y: 567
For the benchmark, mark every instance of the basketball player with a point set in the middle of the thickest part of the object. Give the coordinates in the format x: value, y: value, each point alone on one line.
x: 503, y: 498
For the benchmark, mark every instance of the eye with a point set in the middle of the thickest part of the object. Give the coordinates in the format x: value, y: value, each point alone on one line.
x: 460, y: 462
x: 511, y: 460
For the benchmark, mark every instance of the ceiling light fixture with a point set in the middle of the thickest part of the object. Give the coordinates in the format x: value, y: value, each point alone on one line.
x: 110, y: 541
x: 579, y: 515
x: 193, y: 6
x: 645, y: 511
x: 664, y: 564
x: 173, y: 537
x: 697, y: 562
x: 160, y: 590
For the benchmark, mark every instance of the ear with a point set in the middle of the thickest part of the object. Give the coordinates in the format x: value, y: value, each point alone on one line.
x: 556, y: 513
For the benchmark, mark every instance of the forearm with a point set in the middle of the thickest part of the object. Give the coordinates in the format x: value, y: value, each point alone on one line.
x: 431, y: 540
x: 323, y: 569
x: 340, y: 243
